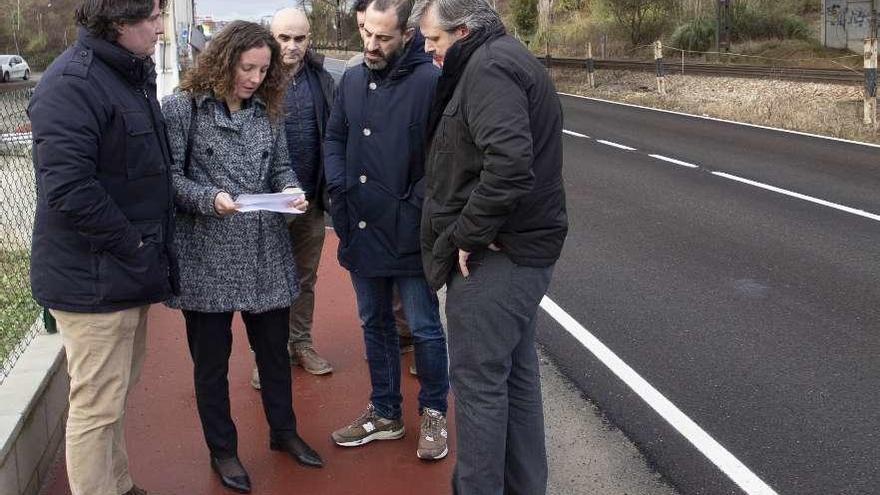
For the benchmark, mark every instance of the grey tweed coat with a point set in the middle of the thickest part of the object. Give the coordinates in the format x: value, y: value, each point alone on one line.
x: 241, y: 262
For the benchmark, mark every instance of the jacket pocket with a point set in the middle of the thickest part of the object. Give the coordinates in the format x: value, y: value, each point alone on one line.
x: 140, y: 278
x: 143, y: 157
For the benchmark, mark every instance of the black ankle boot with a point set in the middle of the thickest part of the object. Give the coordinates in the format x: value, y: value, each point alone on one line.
x: 232, y: 474
x: 297, y: 447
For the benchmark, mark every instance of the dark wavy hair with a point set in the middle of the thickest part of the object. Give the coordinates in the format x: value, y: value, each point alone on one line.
x: 103, y: 17
x: 403, y: 8
x: 216, y: 67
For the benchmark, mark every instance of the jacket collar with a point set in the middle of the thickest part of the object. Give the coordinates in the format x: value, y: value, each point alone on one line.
x: 136, y: 70
x: 454, y: 63
x: 201, y: 98
x: 314, y: 60
x: 222, y: 118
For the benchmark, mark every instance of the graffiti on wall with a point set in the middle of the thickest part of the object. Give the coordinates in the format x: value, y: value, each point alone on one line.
x: 835, y: 15
x: 847, y: 22
x: 843, y: 15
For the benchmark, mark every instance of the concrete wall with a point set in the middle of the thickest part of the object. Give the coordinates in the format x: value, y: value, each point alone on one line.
x: 847, y: 23
x: 33, y: 410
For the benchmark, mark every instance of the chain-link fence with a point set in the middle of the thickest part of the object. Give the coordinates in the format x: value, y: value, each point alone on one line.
x: 18, y: 311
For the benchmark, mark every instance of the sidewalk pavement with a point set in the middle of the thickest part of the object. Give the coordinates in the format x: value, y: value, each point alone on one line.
x: 168, y: 455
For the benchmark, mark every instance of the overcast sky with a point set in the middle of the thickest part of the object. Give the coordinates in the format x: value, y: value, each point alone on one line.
x: 240, y: 9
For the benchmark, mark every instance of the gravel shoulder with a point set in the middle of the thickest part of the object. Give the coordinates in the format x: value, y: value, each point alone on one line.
x: 825, y: 109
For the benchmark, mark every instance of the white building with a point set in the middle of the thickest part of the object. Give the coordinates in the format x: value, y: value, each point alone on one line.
x: 173, y: 45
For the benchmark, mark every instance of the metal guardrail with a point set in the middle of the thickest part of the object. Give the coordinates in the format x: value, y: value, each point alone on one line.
x: 836, y: 76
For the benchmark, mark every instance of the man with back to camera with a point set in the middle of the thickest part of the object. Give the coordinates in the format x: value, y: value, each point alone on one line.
x: 493, y: 226
x: 103, y: 224
x: 375, y: 166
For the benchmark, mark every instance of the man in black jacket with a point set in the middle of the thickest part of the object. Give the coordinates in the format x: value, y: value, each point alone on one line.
x: 102, y: 232
x: 493, y: 226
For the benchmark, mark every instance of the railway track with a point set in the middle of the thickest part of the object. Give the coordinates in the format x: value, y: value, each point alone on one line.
x: 836, y: 76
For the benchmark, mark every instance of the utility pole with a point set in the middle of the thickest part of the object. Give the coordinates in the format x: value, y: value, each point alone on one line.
x: 722, y: 28
x: 591, y: 66
x: 338, y: 26
x: 871, y: 82
x: 16, y: 27
x: 661, y: 72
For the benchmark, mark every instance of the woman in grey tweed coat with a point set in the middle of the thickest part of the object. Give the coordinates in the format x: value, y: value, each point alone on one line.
x: 232, y: 261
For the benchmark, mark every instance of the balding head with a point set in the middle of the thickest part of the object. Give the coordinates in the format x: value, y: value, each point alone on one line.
x: 291, y: 28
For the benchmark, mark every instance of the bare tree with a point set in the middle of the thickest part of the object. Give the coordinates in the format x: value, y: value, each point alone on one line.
x: 639, y: 17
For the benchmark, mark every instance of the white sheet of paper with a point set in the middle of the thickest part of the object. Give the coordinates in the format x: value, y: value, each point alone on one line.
x: 277, y: 202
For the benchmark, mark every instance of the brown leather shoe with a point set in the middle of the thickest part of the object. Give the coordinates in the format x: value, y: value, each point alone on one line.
x: 311, y: 361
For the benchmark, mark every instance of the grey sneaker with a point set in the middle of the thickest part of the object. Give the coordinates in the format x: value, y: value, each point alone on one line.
x: 310, y: 361
x: 368, y: 427
x: 432, y: 437
x: 255, y: 378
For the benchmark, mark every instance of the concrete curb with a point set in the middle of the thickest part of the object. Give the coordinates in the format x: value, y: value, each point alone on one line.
x: 33, y: 408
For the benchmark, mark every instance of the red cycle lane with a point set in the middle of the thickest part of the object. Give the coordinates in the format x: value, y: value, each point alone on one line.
x: 166, y: 449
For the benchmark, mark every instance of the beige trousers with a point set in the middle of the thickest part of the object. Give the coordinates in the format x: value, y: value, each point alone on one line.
x: 105, y: 353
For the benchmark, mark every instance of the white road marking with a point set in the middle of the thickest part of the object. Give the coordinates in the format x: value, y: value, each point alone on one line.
x: 612, y: 143
x: 575, y: 134
x: 854, y: 211
x: 715, y: 119
x: 714, y: 451
x: 673, y: 160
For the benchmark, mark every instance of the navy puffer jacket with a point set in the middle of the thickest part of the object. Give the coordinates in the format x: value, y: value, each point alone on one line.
x: 104, y: 220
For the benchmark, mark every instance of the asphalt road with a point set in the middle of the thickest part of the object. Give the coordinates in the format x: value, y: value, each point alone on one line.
x: 750, y: 307
x: 335, y: 67
x: 586, y: 454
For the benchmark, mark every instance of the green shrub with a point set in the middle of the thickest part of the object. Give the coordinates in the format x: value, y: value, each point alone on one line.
x: 17, y: 309
x: 795, y: 28
x: 697, y: 35
x: 525, y: 16
x: 751, y: 21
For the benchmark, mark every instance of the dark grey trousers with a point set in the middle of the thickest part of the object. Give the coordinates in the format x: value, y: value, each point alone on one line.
x: 499, y: 415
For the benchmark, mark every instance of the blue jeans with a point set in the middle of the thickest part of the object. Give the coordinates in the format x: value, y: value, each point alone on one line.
x: 374, y: 296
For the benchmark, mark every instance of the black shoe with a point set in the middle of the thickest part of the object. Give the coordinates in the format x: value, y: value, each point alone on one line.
x: 232, y: 474
x: 297, y: 447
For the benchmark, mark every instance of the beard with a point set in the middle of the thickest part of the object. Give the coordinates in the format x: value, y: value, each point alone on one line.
x: 387, y: 60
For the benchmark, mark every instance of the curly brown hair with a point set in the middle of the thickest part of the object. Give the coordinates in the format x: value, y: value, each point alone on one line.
x: 215, y: 70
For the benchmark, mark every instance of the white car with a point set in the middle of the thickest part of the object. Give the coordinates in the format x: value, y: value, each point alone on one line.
x: 13, y: 66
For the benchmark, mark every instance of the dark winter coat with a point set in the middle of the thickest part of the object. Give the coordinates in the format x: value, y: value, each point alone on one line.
x: 495, y: 160
x: 103, y: 225
x: 374, y: 162
x: 323, y: 92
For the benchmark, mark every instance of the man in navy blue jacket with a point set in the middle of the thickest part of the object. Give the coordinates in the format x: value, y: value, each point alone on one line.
x: 309, y: 96
x: 102, y: 232
x: 374, y: 161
